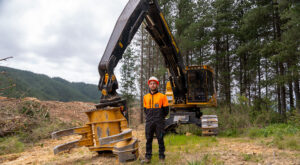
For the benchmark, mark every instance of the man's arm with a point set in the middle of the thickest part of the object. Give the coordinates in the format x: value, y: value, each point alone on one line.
x: 145, y: 110
x: 165, y: 106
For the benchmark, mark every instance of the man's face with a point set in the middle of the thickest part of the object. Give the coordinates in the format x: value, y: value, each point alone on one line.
x: 153, y: 86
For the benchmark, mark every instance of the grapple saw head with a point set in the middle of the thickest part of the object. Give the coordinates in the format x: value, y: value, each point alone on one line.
x: 107, y: 130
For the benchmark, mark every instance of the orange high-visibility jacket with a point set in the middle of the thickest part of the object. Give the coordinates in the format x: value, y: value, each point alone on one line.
x: 156, y: 106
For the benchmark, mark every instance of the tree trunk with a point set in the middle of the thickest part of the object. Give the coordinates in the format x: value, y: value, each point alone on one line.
x: 291, y: 97
x: 241, y: 76
x: 266, y: 85
x: 297, y: 92
x: 281, y: 67
x: 187, y: 58
x: 227, y: 81
x: 259, y: 79
x: 283, y: 93
x: 217, y: 64
x: 278, y: 92
x: 290, y: 84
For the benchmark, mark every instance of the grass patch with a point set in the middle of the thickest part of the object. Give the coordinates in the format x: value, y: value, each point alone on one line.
x: 191, y: 128
x: 274, y: 130
x: 11, y: 145
x: 81, y: 162
x: 252, y: 157
x: 230, y: 133
x: 175, y: 140
x: 206, y: 159
x: 177, y: 145
x: 291, y: 142
x: 284, y: 136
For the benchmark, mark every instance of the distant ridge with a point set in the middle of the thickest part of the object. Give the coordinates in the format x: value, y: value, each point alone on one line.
x: 29, y: 84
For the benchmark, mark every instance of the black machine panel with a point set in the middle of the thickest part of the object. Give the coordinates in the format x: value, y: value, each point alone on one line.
x: 200, y: 85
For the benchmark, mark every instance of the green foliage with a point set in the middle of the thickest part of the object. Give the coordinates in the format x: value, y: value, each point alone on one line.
x: 191, y: 128
x: 294, y: 118
x: 179, y: 145
x: 37, y: 123
x: 11, y: 145
x: 237, y: 119
x: 286, y: 141
x: 33, y: 110
x: 32, y: 123
x: 252, y: 157
x: 232, y: 121
x: 284, y: 136
x: 176, y: 141
x: 42, y: 131
x: 128, y: 68
x: 29, y: 84
x: 274, y: 130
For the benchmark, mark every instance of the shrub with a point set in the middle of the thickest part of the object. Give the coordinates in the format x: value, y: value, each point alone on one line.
x: 192, y: 128
x: 11, y: 145
x: 28, y: 122
x: 43, y: 131
x: 286, y: 142
x: 241, y: 118
x: 232, y: 120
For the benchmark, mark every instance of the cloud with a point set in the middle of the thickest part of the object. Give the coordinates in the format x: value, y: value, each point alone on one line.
x: 57, y: 38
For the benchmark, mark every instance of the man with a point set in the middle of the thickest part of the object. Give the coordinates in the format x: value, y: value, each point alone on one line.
x: 156, y: 109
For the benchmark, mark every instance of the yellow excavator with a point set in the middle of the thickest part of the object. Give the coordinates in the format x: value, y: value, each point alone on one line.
x: 189, y: 88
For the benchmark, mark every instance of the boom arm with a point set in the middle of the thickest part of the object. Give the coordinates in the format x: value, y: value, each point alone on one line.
x: 131, y: 18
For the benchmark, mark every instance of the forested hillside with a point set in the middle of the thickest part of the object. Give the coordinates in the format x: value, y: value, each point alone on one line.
x: 44, y: 87
x: 253, y: 47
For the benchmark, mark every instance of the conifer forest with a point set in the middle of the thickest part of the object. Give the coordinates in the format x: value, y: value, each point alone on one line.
x: 252, y: 45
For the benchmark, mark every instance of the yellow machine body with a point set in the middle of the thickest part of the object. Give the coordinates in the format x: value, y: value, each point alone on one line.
x: 201, y: 93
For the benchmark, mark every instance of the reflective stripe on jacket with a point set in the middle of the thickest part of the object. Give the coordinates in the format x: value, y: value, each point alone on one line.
x: 155, y: 106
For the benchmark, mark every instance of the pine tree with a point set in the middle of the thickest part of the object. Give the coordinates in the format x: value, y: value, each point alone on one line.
x: 223, y: 34
x: 184, y: 19
x: 128, y: 75
x: 290, y: 48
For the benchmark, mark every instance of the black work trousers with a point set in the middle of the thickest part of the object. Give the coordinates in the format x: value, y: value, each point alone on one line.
x: 156, y: 127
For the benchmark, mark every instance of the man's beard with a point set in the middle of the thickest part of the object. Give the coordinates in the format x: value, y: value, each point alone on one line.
x: 154, y: 90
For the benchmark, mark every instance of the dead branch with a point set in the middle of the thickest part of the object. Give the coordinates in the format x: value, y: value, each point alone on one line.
x: 4, y: 59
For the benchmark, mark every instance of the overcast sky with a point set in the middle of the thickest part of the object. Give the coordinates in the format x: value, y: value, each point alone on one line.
x: 59, y: 38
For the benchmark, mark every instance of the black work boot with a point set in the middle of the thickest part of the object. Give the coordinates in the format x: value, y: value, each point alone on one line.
x: 161, y: 159
x: 146, y: 160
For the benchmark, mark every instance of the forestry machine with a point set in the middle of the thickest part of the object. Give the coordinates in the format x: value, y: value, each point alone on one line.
x: 189, y: 87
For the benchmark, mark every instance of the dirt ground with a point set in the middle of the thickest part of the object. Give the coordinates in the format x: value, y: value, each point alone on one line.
x: 227, y: 151
x: 223, y: 151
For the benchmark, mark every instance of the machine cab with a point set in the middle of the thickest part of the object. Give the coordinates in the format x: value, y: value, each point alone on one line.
x: 200, y: 87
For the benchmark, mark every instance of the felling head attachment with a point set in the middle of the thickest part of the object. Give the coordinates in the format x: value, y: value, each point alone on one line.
x: 107, y: 130
x: 108, y: 85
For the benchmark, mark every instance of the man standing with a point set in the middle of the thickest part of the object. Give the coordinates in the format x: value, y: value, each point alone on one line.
x: 156, y: 109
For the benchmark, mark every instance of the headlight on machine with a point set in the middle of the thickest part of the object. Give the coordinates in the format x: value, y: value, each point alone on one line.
x: 170, y: 98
